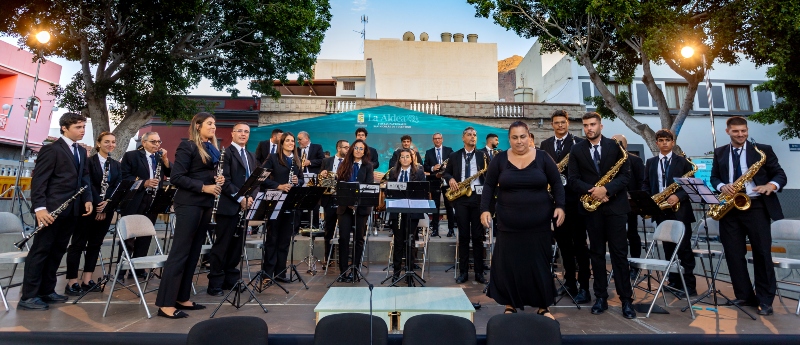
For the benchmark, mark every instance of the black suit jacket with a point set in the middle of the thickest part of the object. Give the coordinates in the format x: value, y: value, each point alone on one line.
x: 489, y: 157
x: 190, y: 174
x: 583, y: 175
x: 280, y: 173
x: 454, y: 165
x: 96, y: 176
x: 396, y: 156
x: 770, y: 171
x: 549, y: 146
x: 315, y: 157
x: 374, y: 158
x: 235, y: 176
x: 364, y: 176
x: 637, y: 172
x: 678, y: 167
x: 419, y: 176
x: 134, y: 165
x: 430, y: 161
x: 55, y: 178
x: 262, y: 151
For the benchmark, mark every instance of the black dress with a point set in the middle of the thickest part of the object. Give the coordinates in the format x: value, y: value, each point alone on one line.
x: 520, y: 272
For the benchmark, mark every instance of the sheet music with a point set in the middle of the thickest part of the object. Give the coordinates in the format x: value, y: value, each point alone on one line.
x: 257, y: 201
x: 276, y: 195
x: 418, y: 203
x: 367, y: 188
x: 397, y: 203
x: 396, y: 185
x: 136, y: 184
x: 697, y: 190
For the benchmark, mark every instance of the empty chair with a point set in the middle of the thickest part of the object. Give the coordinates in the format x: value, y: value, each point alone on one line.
x: 786, y: 230
x: 350, y: 329
x: 448, y: 329
x: 239, y: 330
x: 9, y: 223
x: 522, y: 328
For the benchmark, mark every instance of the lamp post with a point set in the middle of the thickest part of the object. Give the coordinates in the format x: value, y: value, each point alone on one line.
x: 688, y: 52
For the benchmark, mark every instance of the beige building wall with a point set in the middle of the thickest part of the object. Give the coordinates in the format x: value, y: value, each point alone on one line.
x: 328, y: 68
x: 433, y: 70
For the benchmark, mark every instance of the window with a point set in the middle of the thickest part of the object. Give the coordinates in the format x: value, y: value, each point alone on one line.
x: 738, y: 97
x: 617, y: 88
x: 589, y: 90
x: 349, y: 86
x: 675, y: 94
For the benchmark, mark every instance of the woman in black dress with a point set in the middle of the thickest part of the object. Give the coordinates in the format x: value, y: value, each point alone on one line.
x: 286, y: 173
x: 520, y: 272
x: 405, y: 170
x: 194, y: 173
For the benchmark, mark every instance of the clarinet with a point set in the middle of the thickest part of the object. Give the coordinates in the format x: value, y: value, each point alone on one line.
x: 291, y: 171
x: 53, y: 214
x: 152, y: 190
x: 104, y: 182
x: 216, y: 198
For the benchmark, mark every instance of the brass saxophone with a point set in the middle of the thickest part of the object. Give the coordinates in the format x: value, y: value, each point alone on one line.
x: 561, y: 166
x: 590, y: 204
x: 216, y: 198
x: 463, y: 186
x: 739, y: 200
x: 53, y: 214
x: 661, y: 198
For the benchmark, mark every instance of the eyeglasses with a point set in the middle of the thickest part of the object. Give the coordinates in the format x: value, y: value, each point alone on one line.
x: 155, y: 142
x: 358, y: 148
x: 245, y: 131
x: 346, y: 147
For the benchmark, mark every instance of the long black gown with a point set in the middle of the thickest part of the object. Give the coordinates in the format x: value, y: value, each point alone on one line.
x: 520, y: 272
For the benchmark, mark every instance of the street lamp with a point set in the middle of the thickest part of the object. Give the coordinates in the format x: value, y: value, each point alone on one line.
x: 687, y: 52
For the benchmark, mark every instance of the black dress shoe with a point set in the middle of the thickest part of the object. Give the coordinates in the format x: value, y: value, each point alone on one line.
x: 480, y: 278
x: 764, y: 309
x: 344, y: 279
x: 35, y: 303
x: 194, y: 306
x: 178, y: 314
x: 746, y: 303
x: 627, y: 310
x: 435, y: 234
x: 600, y: 306
x: 583, y: 297
x: 462, y: 278
x: 450, y: 233
x: 73, y: 290
x: 216, y: 292
x: 54, y: 298
x: 280, y: 279
x: 92, y: 286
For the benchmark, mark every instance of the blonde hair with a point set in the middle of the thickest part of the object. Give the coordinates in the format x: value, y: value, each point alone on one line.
x: 100, y: 139
x: 194, y: 134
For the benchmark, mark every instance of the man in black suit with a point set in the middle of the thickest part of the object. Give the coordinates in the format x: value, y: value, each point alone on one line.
x: 328, y: 202
x: 491, y: 145
x: 61, y: 169
x: 571, y: 235
x: 266, y: 147
x: 461, y: 165
x: 312, y: 152
x: 361, y: 133
x: 405, y: 143
x: 660, y: 172
x: 635, y: 183
x: 730, y: 162
x: 142, y: 164
x: 227, y: 248
x: 434, y: 158
x: 589, y: 161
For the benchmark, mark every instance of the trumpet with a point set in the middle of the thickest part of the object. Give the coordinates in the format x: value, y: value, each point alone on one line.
x: 53, y: 214
x: 216, y: 198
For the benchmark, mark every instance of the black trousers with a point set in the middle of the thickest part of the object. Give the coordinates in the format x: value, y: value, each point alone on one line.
x: 44, y: 258
x: 753, y: 224
x: 226, y: 252
x: 436, y: 194
x: 330, y: 228
x: 88, y: 236
x: 571, y: 239
x: 686, y: 256
x: 279, y: 238
x: 400, y: 231
x: 347, y: 222
x: 634, y: 240
x: 470, y: 229
x: 191, y: 227
x: 609, y: 229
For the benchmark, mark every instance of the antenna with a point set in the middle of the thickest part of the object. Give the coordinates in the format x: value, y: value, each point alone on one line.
x: 363, y: 32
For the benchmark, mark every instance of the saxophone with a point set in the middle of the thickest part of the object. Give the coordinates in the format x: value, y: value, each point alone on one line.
x: 216, y: 198
x: 739, y: 200
x: 590, y: 204
x: 561, y: 166
x: 661, y: 198
x: 53, y: 214
x: 463, y: 186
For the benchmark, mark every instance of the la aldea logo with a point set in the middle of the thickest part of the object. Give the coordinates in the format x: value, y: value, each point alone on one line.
x: 360, y: 117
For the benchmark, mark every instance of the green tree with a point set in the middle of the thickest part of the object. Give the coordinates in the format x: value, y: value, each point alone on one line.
x: 611, y: 38
x: 139, y: 58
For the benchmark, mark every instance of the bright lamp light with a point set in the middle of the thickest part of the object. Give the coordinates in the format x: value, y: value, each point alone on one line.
x: 43, y: 37
x: 687, y: 51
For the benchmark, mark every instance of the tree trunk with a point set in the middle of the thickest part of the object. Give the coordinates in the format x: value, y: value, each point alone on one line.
x: 128, y: 129
x: 656, y: 93
x: 98, y: 112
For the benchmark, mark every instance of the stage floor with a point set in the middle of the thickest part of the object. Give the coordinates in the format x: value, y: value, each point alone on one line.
x: 293, y: 313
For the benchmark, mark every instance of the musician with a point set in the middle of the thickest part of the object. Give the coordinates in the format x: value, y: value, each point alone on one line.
x: 61, y: 170
x: 353, y: 169
x: 635, y: 183
x: 143, y: 164
x: 589, y: 161
x: 312, y: 152
x: 571, y: 235
x: 91, y: 230
x: 491, y: 146
x: 660, y: 173
x: 267, y: 147
x: 434, y: 158
x: 226, y: 251
x: 195, y: 175
x: 731, y: 162
x: 405, y: 143
x: 462, y: 164
x: 374, y: 158
x: 404, y: 171
x: 328, y: 202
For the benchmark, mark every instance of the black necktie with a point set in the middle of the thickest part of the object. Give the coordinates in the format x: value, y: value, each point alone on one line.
x: 246, y: 166
x: 664, y: 167
x: 404, y: 178
x: 597, y: 157
x: 354, y: 177
x: 76, y: 155
x: 737, y: 164
x: 559, y: 146
x: 153, y: 164
x: 272, y: 149
x: 438, y: 156
x: 467, y: 166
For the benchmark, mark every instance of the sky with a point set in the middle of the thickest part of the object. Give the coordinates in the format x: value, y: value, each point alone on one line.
x: 387, y: 19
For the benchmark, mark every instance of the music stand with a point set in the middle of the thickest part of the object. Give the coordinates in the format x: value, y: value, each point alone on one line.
x: 699, y: 193
x: 264, y: 206
x: 355, y: 194
x: 299, y: 199
x: 642, y: 204
x: 408, y: 198
x: 161, y: 203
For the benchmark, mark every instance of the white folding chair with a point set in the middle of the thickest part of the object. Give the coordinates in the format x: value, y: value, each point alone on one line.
x: 9, y: 223
x: 668, y: 231
x: 422, y: 243
x: 129, y: 227
x: 704, y: 253
x: 334, y: 246
x: 787, y: 231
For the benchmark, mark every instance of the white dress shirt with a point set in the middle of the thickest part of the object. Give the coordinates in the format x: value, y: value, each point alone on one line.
x: 473, y: 168
x: 660, y: 173
x: 743, y: 165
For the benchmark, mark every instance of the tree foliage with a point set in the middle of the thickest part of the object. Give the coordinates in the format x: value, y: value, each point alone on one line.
x: 139, y: 57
